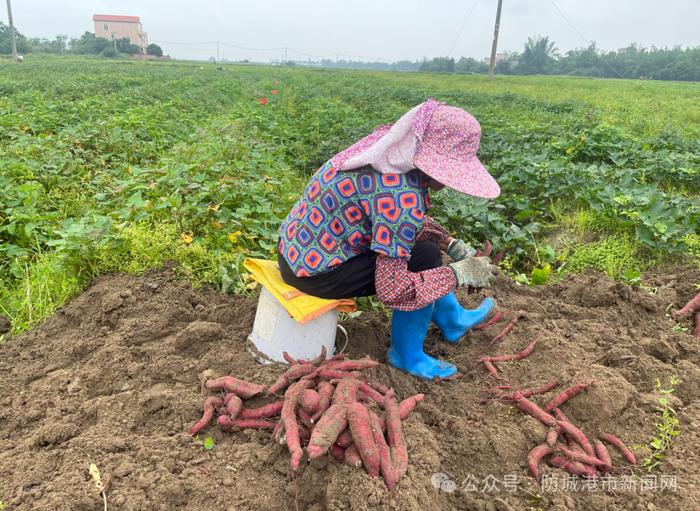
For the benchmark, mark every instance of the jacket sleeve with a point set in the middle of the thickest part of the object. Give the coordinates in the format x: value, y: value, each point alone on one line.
x: 432, y: 231
x: 401, y: 289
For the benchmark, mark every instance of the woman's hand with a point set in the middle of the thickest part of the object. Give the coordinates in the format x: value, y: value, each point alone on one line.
x: 457, y: 249
x: 474, y: 272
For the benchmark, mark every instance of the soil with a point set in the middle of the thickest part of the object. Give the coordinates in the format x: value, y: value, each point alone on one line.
x: 114, y: 379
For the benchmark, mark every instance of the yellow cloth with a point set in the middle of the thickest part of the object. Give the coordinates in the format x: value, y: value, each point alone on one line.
x: 301, y: 307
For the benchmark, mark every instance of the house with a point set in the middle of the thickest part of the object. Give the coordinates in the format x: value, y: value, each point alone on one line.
x: 113, y: 27
x: 500, y: 57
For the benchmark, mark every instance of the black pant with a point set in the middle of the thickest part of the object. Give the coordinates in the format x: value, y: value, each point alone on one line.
x: 355, y: 277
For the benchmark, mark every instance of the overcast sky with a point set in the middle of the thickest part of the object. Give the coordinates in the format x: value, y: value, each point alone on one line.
x: 373, y: 29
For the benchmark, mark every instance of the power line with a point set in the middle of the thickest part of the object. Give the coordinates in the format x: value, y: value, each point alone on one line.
x: 459, y: 34
x: 589, y: 41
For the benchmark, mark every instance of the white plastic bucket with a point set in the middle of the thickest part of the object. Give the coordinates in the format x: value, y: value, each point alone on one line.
x: 275, y: 331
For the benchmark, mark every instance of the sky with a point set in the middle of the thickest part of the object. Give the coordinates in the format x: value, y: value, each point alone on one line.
x: 386, y: 30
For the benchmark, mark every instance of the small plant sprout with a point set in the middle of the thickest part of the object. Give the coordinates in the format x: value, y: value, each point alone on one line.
x: 208, y: 443
x: 667, y: 428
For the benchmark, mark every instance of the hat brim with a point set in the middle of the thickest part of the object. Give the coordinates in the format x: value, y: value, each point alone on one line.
x: 466, y: 176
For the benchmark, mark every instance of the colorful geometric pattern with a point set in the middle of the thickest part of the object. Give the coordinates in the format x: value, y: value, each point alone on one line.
x: 342, y: 214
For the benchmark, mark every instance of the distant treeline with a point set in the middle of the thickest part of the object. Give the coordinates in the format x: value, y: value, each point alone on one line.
x: 539, y: 56
x: 87, y: 44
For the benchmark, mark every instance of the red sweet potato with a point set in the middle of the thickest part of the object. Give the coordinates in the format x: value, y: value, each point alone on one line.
x: 210, y: 405
x: 304, y: 418
x: 603, y: 455
x: 517, y: 356
x: 489, y: 322
x: 317, y: 361
x: 696, y: 331
x: 359, y: 424
x: 580, y: 456
x: 572, y: 467
x: 577, y: 435
x: 409, y: 404
x: 292, y: 374
x: 291, y: 361
x: 552, y: 436
x: 626, y: 453
x: 496, y: 260
x: 534, y: 457
x: 385, y: 464
x: 518, y: 316
x: 565, y: 395
x: 326, y: 431
x: 692, y: 306
x: 233, y: 405
x: 338, y: 452
x: 262, y: 412
x: 345, y: 392
x: 352, y: 457
x: 394, y: 434
x: 242, y: 388
x: 227, y: 423
x: 344, y: 439
x: 533, y: 409
x: 325, y: 392
x: 368, y: 391
x: 352, y: 365
x: 333, y: 374
x: 491, y: 369
x: 310, y: 401
x: 291, y: 428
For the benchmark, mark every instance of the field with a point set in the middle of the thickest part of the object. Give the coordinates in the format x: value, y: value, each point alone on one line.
x: 158, y: 179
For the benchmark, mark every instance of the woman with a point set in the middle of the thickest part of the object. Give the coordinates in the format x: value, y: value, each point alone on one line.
x: 361, y: 229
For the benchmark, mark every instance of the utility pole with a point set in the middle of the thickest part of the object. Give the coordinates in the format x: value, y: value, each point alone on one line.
x: 494, y: 46
x: 13, y: 41
x: 217, y: 51
x: 285, y: 56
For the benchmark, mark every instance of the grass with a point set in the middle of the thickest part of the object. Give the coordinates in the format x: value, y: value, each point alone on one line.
x: 668, y: 427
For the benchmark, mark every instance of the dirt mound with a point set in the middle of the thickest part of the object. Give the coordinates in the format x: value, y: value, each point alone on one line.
x: 114, y: 379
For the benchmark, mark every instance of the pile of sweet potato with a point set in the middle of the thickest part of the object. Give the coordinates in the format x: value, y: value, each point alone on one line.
x: 567, y: 446
x: 328, y: 406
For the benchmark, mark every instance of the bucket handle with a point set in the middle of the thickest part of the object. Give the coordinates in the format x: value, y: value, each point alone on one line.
x: 347, y: 337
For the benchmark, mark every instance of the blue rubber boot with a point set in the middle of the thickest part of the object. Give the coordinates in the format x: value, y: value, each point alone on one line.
x: 454, y: 320
x: 408, y: 331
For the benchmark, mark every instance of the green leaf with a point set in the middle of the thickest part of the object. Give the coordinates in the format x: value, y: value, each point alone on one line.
x: 208, y: 443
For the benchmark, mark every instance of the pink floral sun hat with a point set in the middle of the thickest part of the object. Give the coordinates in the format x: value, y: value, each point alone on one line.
x: 440, y: 140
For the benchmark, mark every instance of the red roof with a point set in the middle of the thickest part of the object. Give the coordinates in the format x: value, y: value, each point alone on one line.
x: 111, y: 17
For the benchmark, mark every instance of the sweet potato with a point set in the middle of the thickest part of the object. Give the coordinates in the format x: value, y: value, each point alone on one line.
x: 344, y: 439
x: 491, y: 369
x: 385, y: 464
x: 603, y: 455
x: 409, y: 404
x: 304, y: 418
x: 317, y: 361
x: 292, y: 374
x: 518, y: 316
x: 227, y: 423
x: 565, y: 395
x: 579, y: 456
x: 242, y: 388
x: 692, y: 306
x: 210, y: 405
x: 552, y: 436
x: 345, y: 392
x: 352, y: 365
x: 325, y: 392
x: 534, y: 457
x: 359, y: 424
x: 352, y: 457
x: 374, y: 395
x: 533, y: 409
x: 326, y: 431
x: 572, y: 467
x: 262, y: 412
x: 233, y: 405
x: 496, y: 260
x: 291, y: 428
x: 696, y: 331
x: 394, y: 434
x: 626, y: 453
x: 498, y: 316
x: 333, y: 374
x: 529, y: 392
x: 338, y: 452
x: 291, y: 361
x: 310, y: 401
x: 577, y: 435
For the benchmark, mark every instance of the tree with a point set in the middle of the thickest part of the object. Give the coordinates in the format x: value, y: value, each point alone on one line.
x: 109, y: 52
x: 88, y: 44
x: 154, y: 49
x: 5, y: 40
x: 470, y: 65
x: 537, y: 56
x: 124, y: 45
